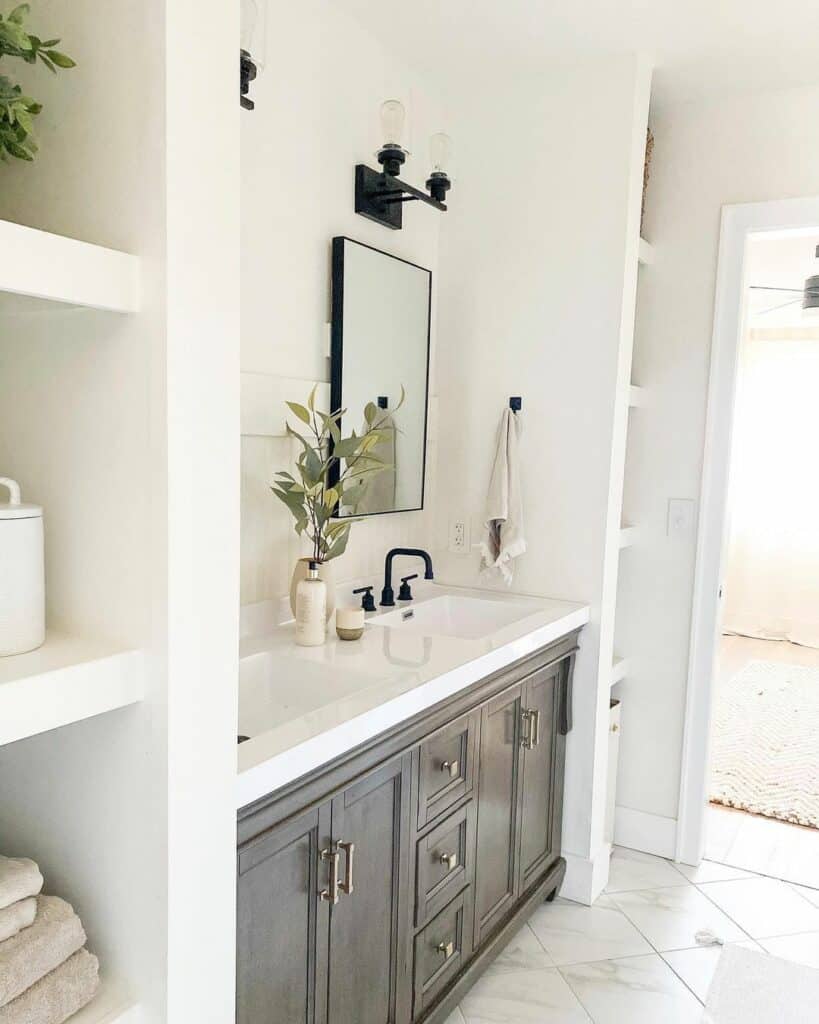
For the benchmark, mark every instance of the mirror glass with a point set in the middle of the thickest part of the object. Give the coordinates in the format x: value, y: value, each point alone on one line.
x: 381, y: 311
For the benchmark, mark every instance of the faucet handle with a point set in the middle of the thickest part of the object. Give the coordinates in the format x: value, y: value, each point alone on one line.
x: 405, y: 593
x: 367, y: 601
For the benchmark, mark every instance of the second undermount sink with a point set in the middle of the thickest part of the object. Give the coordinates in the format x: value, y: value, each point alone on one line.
x: 455, y: 615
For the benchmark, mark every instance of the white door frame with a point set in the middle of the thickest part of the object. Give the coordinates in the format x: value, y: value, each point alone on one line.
x: 738, y: 223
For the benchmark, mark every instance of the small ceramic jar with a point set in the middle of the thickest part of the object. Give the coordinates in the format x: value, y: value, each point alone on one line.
x: 22, y: 574
x: 349, y: 623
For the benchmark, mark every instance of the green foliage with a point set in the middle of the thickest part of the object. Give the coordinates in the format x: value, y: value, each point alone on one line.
x: 17, y: 110
x: 308, y: 495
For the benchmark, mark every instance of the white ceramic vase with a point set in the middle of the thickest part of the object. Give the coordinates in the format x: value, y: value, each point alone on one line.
x: 327, y: 574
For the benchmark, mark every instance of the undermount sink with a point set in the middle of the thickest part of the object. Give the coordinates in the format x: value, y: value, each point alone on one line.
x: 455, y: 615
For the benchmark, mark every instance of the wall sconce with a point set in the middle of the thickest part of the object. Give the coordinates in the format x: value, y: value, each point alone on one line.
x: 810, y: 296
x: 380, y: 195
x: 253, y: 47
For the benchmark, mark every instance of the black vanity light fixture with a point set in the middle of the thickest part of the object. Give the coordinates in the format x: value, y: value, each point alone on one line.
x: 810, y: 296
x: 380, y: 195
x: 252, y: 47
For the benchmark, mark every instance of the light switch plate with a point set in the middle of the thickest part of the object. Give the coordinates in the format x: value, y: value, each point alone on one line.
x: 681, y: 516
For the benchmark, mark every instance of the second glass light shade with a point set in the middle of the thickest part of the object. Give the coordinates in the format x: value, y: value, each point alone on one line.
x: 440, y: 152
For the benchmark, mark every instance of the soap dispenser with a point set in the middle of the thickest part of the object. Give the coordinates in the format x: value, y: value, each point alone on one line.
x: 311, y: 609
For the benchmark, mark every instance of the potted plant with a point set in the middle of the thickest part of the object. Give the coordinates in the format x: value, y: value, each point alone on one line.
x: 17, y: 111
x: 329, y: 469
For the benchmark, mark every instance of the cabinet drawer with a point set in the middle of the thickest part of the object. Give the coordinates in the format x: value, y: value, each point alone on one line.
x: 444, y: 862
x: 441, y: 950
x: 446, y: 767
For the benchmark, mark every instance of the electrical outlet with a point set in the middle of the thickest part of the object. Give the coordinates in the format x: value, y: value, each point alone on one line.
x: 459, y: 536
x: 681, y: 514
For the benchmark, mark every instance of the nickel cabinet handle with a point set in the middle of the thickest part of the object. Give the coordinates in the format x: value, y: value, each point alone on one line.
x: 531, y: 734
x: 347, y: 885
x: 452, y: 768
x: 450, y: 860
x: 330, y: 894
x: 446, y: 949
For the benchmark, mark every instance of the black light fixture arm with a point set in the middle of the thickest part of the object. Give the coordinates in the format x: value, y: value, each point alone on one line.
x: 380, y: 196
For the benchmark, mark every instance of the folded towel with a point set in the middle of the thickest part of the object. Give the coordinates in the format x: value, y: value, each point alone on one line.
x: 504, y: 503
x: 57, y: 996
x: 18, y: 916
x: 26, y: 957
x: 19, y: 878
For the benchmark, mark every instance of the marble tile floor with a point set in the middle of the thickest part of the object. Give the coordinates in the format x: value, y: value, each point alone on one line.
x: 634, y: 958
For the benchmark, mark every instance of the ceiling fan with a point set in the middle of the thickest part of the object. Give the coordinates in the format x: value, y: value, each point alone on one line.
x: 808, y: 296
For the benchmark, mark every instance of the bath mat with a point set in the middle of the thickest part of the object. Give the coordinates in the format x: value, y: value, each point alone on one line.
x: 754, y: 988
x: 766, y: 742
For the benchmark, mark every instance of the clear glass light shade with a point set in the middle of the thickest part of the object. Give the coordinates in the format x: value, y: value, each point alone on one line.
x: 393, y: 120
x: 440, y: 153
x: 253, y: 32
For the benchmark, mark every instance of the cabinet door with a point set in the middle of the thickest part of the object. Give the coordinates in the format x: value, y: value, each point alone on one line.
x: 495, y: 862
x: 370, y: 927
x: 282, y: 925
x: 539, y: 771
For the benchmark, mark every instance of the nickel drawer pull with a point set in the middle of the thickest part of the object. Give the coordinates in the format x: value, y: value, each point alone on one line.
x: 452, y: 767
x: 535, y: 728
x: 446, y: 949
x: 450, y: 860
x: 347, y: 885
x: 330, y: 894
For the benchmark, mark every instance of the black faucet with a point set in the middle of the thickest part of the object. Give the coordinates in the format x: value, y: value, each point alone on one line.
x: 387, y: 594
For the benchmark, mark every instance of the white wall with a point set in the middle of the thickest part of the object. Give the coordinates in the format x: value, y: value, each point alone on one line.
x: 533, y: 301
x: 751, y: 148
x: 317, y: 107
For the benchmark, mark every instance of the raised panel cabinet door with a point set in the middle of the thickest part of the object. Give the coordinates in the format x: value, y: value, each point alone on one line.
x: 370, y: 926
x: 539, y: 771
x: 282, y: 924
x: 498, y: 769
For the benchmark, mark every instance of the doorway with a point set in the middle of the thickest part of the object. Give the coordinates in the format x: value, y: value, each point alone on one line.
x: 749, y: 792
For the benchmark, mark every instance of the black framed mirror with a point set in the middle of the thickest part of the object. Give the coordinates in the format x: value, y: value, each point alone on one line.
x: 380, y: 344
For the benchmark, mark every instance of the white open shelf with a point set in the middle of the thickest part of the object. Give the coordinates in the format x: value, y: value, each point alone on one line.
x: 619, y: 670
x: 66, y: 680
x: 46, y: 266
x: 645, y: 254
x: 111, y: 1006
x: 629, y: 535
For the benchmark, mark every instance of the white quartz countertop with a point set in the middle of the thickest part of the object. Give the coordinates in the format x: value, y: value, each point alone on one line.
x: 304, y: 706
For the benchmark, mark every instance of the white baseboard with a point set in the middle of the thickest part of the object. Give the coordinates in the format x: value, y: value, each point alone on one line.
x: 648, y: 833
x: 586, y: 878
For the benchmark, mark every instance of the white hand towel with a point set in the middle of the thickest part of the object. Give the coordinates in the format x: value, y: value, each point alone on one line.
x: 505, y: 540
x: 18, y: 916
x: 19, y: 879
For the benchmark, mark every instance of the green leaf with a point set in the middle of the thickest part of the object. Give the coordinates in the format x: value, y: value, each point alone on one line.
x: 370, y: 412
x: 339, y: 545
x: 19, y: 13
x: 61, y: 60
x: 311, y: 398
x: 45, y: 61
x: 331, y: 497
x: 299, y: 411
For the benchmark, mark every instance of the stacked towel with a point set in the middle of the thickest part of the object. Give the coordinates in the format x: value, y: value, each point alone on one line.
x: 45, y: 974
x: 58, y: 995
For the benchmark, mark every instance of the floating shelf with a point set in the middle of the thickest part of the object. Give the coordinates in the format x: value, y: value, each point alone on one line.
x: 629, y: 535
x: 645, y: 253
x: 111, y: 1006
x: 66, y: 680
x: 45, y: 266
x: 619, y: 670
x: 637, y: 396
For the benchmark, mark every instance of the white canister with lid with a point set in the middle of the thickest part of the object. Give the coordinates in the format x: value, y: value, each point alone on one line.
x: 22, y: 574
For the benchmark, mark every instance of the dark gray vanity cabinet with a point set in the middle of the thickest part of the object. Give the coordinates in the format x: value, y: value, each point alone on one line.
x: 378, y: 888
